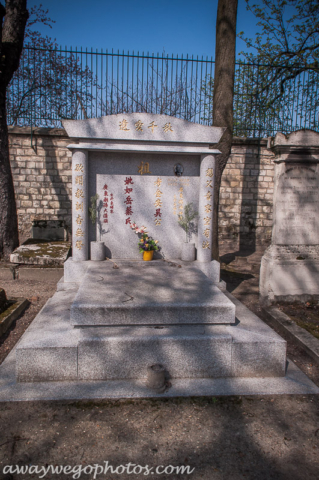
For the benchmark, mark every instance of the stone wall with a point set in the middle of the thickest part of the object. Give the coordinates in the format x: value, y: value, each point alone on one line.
x: 43, y: 181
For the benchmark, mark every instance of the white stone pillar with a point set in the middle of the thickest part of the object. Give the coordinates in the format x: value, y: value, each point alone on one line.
x: 80, y: 247
x: 206, y: 207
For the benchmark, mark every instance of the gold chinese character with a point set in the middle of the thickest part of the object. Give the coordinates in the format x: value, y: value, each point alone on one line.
x: 123, y: 125
x: 157, y: 222
x: 158, y: 182
x: 79, y: 232
x: 181, y: 201
x: 205, y: 244
x: 79, y: 219
x: 79, y: 180
x: 208, y: 196
x: 158, y: 193
x: 152, y: 126
x: 209, y: 183
x: 158, y: 202
x: 138, y: 126
x: 207, y: 220
x: 180, y: 189
x: 144, y: 168
x: 206, y: 232
x: 209, y: 172
x: 79, y: 193
x: 79, y: 206
x: 79, y: 244
x: 208, y: 208
x: 79, y: 167
x: 167, y: 128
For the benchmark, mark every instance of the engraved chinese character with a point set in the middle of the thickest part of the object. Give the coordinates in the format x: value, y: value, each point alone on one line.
x: 128, y: 221
x: 79, y: 232
x: 152, y: 126
x: 158, y: 193
x: 79, y: 206
x: 123, y: 125
x: 138, y: 126
x: 79, y: 180
x: 79, y: 244
x: 129, y: 211
x: 208, y: 208
x: 208, y: 196
x: 207, y: 220
x: 167, y: 128
x: 79, y: 220
x: 128, y: 181
x: 128, y: 200
x: 105, y: 187
x: 79, y: 167
x: 158, y: 213
x: 206, y: 232
x: 209, y: 172
x: 158, y: 182
x: 127, y: 190
x: 79, y: 193
x: 144, y: 168
x: 205, y: 244
x: 209, y: 184
x: 158, y: 202
x: 157, y: 222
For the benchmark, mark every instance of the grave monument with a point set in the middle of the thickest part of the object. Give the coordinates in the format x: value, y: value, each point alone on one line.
x: 115, y: 318
x: 290, y: 266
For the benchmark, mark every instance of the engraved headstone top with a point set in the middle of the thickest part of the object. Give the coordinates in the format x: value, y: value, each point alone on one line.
x: 143, y: 127
x: 296, y: 197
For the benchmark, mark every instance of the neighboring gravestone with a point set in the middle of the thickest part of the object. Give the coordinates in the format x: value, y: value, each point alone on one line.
x: 290, y: 266
x: 144, y: 168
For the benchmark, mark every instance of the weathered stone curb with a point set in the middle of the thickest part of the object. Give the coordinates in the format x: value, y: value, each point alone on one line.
x: 284, y: 323
x: 5, y: 323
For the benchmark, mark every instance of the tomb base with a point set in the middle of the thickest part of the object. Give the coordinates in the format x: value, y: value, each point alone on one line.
x: 289, y: 273
x: 52, y: 349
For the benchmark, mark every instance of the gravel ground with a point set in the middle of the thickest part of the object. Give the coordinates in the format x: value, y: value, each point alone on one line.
x: 221, y: 438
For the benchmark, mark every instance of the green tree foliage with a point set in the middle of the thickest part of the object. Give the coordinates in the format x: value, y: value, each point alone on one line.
x: 286, y: 50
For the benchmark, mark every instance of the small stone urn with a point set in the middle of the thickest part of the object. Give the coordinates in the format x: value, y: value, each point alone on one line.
x: 97, y: 251
x: 188, y: 252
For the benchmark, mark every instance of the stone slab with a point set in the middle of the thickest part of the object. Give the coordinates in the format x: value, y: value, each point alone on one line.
x: 152, y: 127
x: 296, y: 198
x: 308, y: 342
x: 41, y: 252
x: 154, y: 201
x: 51, y: 349
x: 289, y: 273
x: 294, y: 383
x: 153, y: 293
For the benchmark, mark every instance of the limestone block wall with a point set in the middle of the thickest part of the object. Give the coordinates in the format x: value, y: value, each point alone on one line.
x: 43, y: 182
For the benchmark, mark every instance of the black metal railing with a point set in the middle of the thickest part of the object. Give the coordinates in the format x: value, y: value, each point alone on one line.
x: 55, y: 84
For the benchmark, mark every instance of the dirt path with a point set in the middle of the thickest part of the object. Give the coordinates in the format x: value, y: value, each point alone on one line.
x: 223, y: 438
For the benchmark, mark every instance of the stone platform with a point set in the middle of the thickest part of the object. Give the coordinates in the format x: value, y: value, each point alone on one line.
x: 53, y: 349
x: 148, y: 293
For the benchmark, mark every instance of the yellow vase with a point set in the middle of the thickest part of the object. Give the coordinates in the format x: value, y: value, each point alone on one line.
x: 147, y: 256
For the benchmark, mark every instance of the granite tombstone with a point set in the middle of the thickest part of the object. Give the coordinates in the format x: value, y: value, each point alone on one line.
x: 290, y: 266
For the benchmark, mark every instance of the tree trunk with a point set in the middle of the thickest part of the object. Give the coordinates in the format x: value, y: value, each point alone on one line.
x: 12, y: 34
x: 9, y: 239
x: 223, y: 96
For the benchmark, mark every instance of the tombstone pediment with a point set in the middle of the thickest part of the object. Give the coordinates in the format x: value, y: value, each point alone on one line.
x: 143, y: 127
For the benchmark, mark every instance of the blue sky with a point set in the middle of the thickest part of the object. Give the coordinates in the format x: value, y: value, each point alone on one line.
x: 175, y: 26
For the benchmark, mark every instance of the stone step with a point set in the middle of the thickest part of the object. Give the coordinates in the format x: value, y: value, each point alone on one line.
x: 53, y: 350
x: 143, y: 294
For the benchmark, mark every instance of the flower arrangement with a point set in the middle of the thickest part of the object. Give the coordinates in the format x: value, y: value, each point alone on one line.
x: 146, y: 243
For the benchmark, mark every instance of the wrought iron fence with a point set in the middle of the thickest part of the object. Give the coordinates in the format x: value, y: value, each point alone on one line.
x: 52, y: 85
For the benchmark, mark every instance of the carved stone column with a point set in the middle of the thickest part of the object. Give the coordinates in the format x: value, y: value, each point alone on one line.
x: 80, y: 247
x: 206, y: 206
